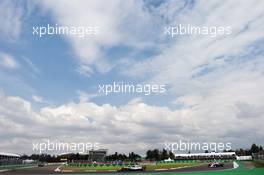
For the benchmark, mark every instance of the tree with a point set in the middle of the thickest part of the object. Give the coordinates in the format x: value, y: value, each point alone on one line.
x: 164, y: 154
x: 171, y: 155
x: 133, y: 157
x: 153, y: 154
x: 156, y: 154
x: 254, y: 148
x: 149, y: 155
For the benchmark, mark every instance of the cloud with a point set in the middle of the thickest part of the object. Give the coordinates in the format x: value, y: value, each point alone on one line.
x: 7, y: 61
x: 212, y: 118
x: 31, y: 65
x: 199, y: 66
x: 120, y: 25
x: 183, y: 56
x: 82, y: 13
x: 37, y: 98
x: 11, y: 20
x: 85, y: 97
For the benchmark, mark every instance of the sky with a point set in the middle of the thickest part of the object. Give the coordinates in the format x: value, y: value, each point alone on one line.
x: 49, y: 85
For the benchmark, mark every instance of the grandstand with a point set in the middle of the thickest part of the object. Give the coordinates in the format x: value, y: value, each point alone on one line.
x: 97, y: 155
x: 9, y: 158
x: 258, y: 156
x: 206, y: 156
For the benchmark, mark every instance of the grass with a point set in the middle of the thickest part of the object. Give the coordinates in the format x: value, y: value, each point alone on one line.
x: 118, y: 167
x: 170, y: 165
x: 242, y: 170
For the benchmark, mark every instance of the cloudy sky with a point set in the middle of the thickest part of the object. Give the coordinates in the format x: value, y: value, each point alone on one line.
x: 49, y: 85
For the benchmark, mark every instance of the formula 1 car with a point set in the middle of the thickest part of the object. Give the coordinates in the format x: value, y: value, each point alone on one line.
x: 215, y: 165
x: 133, y: 168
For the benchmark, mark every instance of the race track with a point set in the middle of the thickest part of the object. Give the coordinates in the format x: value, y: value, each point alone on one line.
x: 50, y: 169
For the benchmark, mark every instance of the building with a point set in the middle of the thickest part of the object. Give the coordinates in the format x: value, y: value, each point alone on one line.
x: 258, y: 156
x: 97, y: 155
x: 9, y: 158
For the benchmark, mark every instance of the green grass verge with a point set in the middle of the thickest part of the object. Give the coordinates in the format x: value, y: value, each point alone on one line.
x: 118, y: 167
x: 242, y: 170
x: 170, y: 165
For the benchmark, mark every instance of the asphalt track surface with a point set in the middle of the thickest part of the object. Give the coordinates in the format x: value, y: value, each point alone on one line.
x: 49, y: 169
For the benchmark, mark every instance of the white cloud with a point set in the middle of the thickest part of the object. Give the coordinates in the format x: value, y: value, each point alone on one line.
x: 119, y: 22
x: 199, y: 65
x: 211, y: 77
x: 38, y: 99
x: 218, y: 117
x: 7, y: 61
x: 85, y: 97
x: 89, y: 13
x: 10, y: 19
x: 31, y: 65
x: 185, y: 55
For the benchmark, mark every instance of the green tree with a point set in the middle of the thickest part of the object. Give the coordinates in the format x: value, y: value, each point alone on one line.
x: 133, y: 157
x: 164, y: 154
x: 171, y: 155
x: 254, y: 148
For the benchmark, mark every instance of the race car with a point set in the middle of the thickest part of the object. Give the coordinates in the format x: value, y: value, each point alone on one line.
x: 215, y: 165
x: 133, y: 168
x: 41, y: 164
